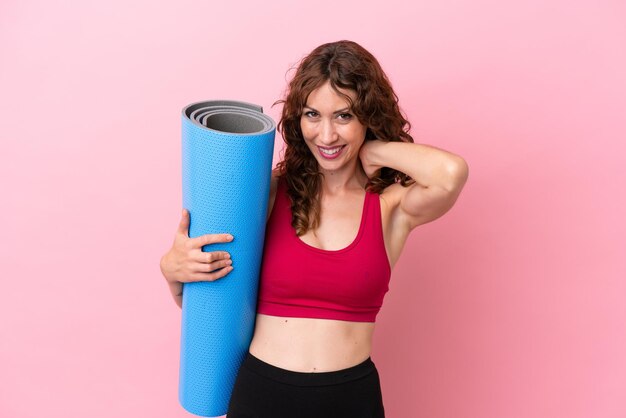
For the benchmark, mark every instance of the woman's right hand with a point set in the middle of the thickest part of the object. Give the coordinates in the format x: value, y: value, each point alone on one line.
x: 186, y: 262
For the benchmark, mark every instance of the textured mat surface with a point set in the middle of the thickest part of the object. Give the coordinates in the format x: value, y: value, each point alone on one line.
x: 227, y: 149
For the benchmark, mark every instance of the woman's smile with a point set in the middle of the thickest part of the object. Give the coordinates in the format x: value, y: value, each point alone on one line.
x: 331, y: 153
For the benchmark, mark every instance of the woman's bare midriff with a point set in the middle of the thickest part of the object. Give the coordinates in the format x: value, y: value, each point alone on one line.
x: 311, y: 344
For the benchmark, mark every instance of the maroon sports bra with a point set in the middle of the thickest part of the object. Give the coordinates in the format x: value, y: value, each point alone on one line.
x: 299, y: 280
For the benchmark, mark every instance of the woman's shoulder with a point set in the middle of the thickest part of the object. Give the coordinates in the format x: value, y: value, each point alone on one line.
x: 390, y: 199
x: 392, y: 194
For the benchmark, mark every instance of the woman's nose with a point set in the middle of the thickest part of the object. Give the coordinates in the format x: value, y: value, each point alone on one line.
x: 328, y: 134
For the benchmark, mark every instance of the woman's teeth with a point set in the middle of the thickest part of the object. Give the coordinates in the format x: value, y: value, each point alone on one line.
x: 331, y: 151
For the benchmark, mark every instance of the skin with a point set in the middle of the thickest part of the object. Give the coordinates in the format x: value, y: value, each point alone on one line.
x: 319, y: 345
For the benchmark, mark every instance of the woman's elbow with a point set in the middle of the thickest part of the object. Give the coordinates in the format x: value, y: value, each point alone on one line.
x: 458, y: 172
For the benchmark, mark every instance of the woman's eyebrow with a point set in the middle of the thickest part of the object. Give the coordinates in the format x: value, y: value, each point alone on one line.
x: 345, y: 109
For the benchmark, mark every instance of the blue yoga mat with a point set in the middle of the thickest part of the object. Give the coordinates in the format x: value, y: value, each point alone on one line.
x: 227, y: 149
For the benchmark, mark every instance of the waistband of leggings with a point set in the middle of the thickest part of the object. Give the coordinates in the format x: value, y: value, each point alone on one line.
x: 295, y: 378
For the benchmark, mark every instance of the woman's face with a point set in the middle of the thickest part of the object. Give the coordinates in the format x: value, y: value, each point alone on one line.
x: 332, y: 132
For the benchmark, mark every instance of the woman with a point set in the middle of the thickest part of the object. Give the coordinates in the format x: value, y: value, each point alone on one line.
x: 350, y: 189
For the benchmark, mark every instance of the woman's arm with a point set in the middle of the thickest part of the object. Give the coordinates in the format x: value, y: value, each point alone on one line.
x: 439, y: 177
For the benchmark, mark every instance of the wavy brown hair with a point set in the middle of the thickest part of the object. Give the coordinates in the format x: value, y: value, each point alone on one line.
x: 348, y: 66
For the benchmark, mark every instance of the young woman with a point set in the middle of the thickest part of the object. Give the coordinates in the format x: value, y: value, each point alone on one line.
x: 350, y: 189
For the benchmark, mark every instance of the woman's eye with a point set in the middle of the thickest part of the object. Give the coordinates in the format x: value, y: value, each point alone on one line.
x: 310, y: 114
x: 345, y: 116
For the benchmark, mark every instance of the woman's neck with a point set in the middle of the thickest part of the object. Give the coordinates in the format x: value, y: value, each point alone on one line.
x: 337, y: 184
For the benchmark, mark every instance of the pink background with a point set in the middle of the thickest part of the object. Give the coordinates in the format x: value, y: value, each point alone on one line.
x: 512, y: 305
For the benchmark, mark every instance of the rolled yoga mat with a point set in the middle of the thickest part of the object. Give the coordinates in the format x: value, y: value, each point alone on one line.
x: 227, y: 149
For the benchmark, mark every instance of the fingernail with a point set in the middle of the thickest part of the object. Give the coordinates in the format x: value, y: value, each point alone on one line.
x: 230, y: 237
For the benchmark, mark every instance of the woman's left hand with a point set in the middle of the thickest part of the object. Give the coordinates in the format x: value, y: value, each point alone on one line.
x: 366, y: 154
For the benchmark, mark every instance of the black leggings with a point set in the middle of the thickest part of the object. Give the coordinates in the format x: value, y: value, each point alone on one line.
x: 265, y: 391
